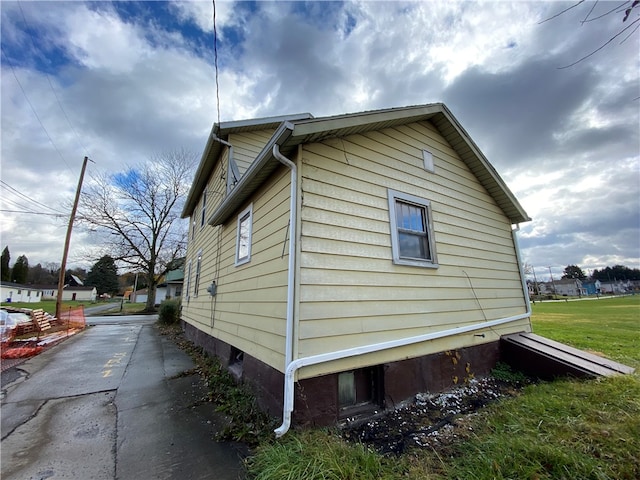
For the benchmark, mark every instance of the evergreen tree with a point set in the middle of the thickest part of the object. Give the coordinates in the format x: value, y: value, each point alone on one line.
x: 20, y: 270
x: 573, y: 271
x: 104, y: 276
x: 5, y: 271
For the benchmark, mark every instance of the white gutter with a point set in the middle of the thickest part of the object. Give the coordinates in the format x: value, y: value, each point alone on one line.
x: 295, y: 365
x: 293, y: 205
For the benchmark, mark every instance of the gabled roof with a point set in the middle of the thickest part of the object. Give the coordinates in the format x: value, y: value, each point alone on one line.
x: 213, y: 148
x: 293, y: 132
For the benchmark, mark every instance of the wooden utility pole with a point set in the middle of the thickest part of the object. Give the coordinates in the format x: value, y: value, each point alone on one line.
x: 67, y: 240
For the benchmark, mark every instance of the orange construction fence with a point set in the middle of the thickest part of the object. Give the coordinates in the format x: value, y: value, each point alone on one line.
x: 73, y: 317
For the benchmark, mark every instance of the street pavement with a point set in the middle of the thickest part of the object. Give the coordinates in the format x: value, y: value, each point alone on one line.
x: 117, y: 401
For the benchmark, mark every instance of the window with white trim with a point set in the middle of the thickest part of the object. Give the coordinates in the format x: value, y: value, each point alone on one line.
x: 204, y: 208
x: 196, y: 282
x: 187, y: 281
x: 243, y: 236
x: 412, y: 240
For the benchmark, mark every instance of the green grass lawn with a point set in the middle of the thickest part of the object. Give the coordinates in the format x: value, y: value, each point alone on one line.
x: 608, y: 326
x: 566, y: 429
x: 49, y: 306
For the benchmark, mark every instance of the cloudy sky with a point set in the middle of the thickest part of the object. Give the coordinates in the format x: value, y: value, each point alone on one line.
x: 122, y: 81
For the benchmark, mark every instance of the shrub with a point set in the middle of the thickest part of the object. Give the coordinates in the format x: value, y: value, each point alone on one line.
x: 169, y: 313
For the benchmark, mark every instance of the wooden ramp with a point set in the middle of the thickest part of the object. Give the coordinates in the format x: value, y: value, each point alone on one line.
x: 541, y: 357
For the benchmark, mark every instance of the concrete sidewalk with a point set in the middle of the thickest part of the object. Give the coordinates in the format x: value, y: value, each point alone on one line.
x: 163, y: 429
x: 116, y: 402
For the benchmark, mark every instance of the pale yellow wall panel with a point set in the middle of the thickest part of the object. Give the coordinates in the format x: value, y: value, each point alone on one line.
x: 412, y: 351
x: 437, y: 283
x: 374, y: 181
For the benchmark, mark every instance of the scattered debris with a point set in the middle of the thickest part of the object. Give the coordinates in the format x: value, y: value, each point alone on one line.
x: 430, y: 419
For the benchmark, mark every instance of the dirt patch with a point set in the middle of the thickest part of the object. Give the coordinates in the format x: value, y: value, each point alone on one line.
x: 431, y: 419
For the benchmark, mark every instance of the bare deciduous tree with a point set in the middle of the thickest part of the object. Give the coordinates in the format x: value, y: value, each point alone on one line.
x: 629, y: 10
x: 135, y: 213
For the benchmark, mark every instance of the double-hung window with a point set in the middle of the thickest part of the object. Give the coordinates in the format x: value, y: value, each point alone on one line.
x: 187, y: 281
x: 204, y: 209
x: 196, y: 282
x: 412, y: 240
x: 243, y: 236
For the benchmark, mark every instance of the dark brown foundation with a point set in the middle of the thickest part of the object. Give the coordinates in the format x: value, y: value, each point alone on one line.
x: 316, y: 399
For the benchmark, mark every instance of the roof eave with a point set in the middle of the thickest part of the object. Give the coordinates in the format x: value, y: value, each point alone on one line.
x: 261, y: 167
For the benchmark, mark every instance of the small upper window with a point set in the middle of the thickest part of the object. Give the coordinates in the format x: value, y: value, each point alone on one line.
x: 412, y: 240
x: 243, y: 236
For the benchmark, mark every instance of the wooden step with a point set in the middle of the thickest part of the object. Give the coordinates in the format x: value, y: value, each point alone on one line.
x: 545, y: 358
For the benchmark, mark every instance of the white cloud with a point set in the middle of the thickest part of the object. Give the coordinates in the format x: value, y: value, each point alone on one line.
x: 137, y: 78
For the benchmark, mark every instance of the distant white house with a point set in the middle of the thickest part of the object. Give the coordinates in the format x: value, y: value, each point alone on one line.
x: 78, y: 293
x: 14, y: 292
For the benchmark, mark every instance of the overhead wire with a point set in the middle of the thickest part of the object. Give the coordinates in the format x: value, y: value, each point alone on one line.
x: 33, y: 108
x: 215, y: 59
x: 27, y: 30
x: 26, y: 197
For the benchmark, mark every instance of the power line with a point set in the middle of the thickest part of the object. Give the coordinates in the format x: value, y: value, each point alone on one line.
x: 35, y: 213
x: 215, y: 57
x: 32, y: 108
x: 26, y: 197
x: 27, y: 30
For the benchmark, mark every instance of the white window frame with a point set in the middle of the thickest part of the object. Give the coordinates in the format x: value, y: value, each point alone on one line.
x: 188, y: 282
x: 245, y: 215
x: 424, y: 204
x: 196, y: 281
x: 204, y: 209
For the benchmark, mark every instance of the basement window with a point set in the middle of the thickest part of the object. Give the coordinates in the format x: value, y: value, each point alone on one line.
x: 412, y: 239
x: 243, y: 236
x: 236, y: 360
x: 360, y: 390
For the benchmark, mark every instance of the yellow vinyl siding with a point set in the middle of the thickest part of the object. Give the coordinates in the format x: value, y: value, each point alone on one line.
x: 351, y: 294
x: 247, y: 146
x: 400, y: 353
x: 249, y: 310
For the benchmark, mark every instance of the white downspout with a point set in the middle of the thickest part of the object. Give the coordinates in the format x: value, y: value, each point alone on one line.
x: 294, y: 365
x: 293, y: 205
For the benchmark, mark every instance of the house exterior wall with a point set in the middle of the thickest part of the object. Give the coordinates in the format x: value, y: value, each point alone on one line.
x: 19, y: 293
x: 351, y: 293
x: 248, y: 311
x: 70, y: 293
x: 247, y: 146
